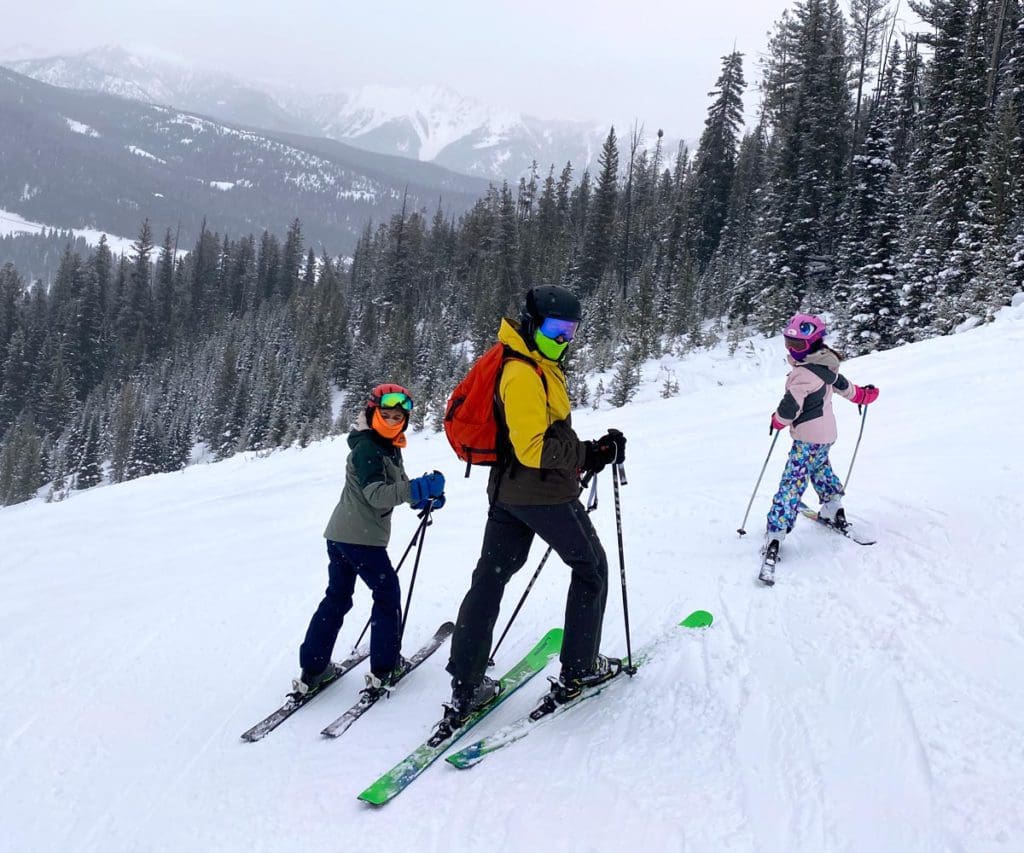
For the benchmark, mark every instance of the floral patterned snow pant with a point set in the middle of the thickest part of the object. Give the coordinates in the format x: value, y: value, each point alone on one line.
x: 805, y: 460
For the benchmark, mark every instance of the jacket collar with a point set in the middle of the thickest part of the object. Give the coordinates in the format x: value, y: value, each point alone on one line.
x: 510, y: 334
x: 824, y: 356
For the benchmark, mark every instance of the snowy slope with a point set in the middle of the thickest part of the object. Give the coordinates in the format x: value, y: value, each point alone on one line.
x: 12, y: 223
x: 872, y: 700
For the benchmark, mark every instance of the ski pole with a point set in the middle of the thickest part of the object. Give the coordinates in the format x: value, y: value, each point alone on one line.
x: 741, y: 530
x: 425, y: 520
x: 617, y: 470
x: 519, y: 606
x: 415, y: 568
x: 592, y: 505
x: 863, y: 417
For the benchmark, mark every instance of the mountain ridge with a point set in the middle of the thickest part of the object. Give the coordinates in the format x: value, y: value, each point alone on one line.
x: 429, y: 123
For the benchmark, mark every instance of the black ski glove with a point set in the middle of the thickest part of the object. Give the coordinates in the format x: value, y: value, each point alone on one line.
x: 609, y: 449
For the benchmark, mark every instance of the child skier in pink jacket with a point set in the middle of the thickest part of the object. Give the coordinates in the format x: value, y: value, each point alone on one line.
x: 806, y: 408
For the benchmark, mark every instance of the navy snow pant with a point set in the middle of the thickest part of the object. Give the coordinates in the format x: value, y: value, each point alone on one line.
x: 506, y: 546
x: 372, y: 564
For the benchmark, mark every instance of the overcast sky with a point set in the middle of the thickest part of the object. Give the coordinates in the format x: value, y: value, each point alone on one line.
x: 654, y: 61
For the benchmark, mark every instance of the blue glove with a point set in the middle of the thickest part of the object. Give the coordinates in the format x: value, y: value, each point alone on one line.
x: 427, y: 486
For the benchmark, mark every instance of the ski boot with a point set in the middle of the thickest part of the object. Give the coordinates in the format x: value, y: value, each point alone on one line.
x: 566, y: 687
x: 466, y: 699
x: 770, y: 556
x: 832, y: 513
x: 378, y: 685
x: 312, y: 682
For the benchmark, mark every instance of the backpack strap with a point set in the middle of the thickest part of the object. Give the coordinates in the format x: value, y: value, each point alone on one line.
x: 503, y: 443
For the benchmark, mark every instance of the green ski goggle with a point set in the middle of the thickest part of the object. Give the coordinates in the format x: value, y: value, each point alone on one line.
x: 396, y: 400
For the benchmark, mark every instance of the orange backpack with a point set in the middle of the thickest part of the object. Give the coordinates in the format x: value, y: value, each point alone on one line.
x: 472, y: 418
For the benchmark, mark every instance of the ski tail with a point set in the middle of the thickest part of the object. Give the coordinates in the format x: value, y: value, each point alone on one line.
x: 368, y: 699
x: 396, y: 780
x: 547, y: 708
x: 294, y: 702
x: 847, y: 531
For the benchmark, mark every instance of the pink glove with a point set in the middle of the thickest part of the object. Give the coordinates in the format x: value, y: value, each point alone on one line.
x: 862, y: 396
x: 776, y: 423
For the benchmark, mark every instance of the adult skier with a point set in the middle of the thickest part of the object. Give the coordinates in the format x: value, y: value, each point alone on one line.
x: 534, y: 490
x: 357, y: 536
x: 806, y: 408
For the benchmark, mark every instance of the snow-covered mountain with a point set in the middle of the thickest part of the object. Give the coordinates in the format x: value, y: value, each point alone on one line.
x: 436, y: 123
x: 428, y: 123
x: 163, y: 80
x: 79, y: 159
x: 871, y: 701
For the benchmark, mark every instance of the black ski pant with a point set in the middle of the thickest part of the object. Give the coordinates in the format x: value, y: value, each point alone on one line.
x: 506, y: 546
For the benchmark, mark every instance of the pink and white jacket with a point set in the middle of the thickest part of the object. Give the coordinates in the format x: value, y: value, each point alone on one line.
x: 807, y: 405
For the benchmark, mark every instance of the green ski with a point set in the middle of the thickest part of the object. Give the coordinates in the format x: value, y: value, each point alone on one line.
x: 548, y: 709
x: 402, y: 774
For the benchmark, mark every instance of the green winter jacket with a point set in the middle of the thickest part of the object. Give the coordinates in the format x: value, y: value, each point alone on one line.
x: 375, y: 483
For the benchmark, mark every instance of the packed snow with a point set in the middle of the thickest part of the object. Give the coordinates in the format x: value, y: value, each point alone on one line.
x: 871, y: 700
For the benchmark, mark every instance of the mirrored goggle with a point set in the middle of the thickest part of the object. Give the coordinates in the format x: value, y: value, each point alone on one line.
x: 559, y: 330
x: 797, y: 344
x: 395, y: 400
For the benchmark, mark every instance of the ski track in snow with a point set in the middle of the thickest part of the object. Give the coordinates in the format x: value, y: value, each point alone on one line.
x: 871, y: 700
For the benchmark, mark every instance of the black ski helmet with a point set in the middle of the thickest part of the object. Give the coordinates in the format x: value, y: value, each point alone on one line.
x: 548, y: 300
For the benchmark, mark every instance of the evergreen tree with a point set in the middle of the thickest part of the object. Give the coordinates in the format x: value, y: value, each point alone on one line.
x: 715, y: 161
x: 89, y: 465
x: 868, y: 19
x: 22, y: 463
x: 809, y: 156
x: 600, y: 220
x: 944, y: 169
x: 163, y: 319
x: 136, y: 318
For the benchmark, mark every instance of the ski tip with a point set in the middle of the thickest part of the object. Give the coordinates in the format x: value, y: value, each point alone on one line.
x: 698, y: 619
x: 376, y: 794
x: 553, y: 635
x: 446, y: 628
x: 550, y: 643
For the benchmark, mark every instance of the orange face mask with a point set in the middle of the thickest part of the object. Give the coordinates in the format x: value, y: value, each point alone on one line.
x: 392, y: 431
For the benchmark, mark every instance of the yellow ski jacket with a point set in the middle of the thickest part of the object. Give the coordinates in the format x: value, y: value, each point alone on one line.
x: 547, y: 452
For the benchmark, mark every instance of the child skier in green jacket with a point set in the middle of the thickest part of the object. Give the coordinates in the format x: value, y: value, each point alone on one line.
x: 357, y: 537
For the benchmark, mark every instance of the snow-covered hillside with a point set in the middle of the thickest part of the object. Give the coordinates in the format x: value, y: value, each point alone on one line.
x: 871, y: 700
x: 12, y: 223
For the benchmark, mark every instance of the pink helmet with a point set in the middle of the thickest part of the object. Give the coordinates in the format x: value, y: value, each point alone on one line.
x: 804, y: 334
